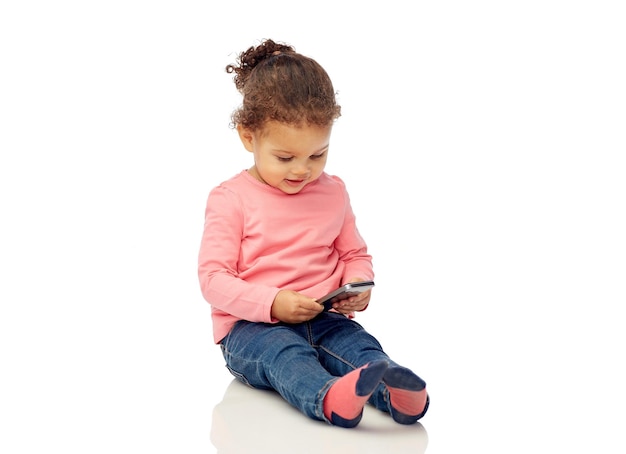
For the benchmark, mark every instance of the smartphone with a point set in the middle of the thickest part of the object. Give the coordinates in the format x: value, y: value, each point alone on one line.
x: 344, y: 292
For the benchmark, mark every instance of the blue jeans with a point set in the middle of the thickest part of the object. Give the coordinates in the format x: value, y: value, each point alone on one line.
x: 302, y: 361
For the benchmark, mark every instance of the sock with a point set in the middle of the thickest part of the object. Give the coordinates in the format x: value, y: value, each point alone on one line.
x: 407, y: 393
x: 344, y: 401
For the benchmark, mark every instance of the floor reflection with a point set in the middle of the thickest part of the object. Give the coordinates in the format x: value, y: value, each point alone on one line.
x: 253, y: 421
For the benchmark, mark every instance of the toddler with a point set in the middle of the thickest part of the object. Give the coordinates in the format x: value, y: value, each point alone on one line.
x: 281, y: 234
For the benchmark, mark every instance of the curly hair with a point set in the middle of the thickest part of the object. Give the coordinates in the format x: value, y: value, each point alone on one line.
x: 279, y: 84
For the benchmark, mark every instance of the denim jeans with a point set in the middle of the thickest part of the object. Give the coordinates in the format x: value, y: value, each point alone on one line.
x: 302, y: 361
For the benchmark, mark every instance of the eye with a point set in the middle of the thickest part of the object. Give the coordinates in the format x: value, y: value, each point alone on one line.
x: 283, y: 159
x: 318, y: 156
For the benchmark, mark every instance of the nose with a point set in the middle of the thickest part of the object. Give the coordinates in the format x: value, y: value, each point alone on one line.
x: 301, y: 169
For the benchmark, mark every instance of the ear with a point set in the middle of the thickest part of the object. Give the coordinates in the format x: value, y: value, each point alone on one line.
x: 247, y: 138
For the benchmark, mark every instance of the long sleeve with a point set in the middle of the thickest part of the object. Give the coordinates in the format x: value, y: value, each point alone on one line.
x: 353, y: 249
x: 218, y: 266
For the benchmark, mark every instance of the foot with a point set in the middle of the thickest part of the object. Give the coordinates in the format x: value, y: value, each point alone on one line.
x: 407, y: 393
x: 344, y: 402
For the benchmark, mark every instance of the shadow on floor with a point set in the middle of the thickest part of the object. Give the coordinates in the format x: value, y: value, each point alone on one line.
x: 253, y: 421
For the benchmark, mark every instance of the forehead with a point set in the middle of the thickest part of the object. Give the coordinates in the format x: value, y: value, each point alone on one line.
x: 295, y: 138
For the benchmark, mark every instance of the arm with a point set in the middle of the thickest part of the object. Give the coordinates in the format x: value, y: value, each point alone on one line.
x: 358, y: 262
x: 353, y: 249
x: 218, y: 262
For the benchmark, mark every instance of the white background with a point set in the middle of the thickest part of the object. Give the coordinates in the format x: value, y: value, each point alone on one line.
x: 483, y: 146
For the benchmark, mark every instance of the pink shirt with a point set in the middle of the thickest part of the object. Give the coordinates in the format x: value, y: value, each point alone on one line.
x: 258, y: 240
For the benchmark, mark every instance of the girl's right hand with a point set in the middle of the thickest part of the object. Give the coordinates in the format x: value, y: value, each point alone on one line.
x: 294, y: 307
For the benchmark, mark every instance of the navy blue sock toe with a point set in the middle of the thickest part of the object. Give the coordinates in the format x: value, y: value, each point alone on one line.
x: 403, y: 378
x: 370, y: 377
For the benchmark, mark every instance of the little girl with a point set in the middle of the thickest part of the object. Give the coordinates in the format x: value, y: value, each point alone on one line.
x: 282, y: 234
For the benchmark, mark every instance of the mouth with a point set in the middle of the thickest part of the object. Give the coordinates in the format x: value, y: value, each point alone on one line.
x: 294, y: 182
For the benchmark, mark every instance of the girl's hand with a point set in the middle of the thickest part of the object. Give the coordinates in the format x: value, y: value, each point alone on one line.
x: 355, y: 303
x: 294, y: 307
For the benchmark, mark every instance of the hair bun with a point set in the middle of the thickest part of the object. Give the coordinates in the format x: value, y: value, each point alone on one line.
x: 250, y: 58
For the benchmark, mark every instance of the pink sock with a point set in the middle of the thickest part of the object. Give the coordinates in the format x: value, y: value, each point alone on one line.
x: 344, y: 401
x: 407, y: 393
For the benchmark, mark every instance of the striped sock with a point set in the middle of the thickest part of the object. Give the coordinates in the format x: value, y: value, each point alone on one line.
x: 407, y: 393
x: 344, y: 401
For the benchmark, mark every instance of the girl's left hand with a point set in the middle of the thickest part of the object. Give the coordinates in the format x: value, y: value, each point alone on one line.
x: 355, y: 303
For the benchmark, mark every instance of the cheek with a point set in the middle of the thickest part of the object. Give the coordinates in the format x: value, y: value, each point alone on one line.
x: 271, y: 169
x: 319, y: 166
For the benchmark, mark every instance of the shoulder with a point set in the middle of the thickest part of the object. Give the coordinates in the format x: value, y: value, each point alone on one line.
x: 236, y: 186
x: 233, y: 183
x: 227, y: 194
x: 331, y: 185
x: 244, y: 193
x: 331, y: 181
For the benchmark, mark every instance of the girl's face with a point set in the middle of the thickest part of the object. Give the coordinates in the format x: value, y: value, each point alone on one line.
x: 287, y: 157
